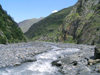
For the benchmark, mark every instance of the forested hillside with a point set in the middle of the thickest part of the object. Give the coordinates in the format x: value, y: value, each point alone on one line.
x: 9, y: 30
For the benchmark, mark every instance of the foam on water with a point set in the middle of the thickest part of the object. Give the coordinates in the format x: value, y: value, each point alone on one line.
x: 43, y: 64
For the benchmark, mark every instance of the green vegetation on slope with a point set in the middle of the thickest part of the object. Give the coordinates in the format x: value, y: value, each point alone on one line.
x: 9, y: 30
x: 48, y: 28
x: 83, y: 23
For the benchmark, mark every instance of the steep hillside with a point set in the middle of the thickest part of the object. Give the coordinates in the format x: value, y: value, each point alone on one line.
x: 47, y: 29
x: 26, y: 24
x: 82, y: 25
x: 9, y: 30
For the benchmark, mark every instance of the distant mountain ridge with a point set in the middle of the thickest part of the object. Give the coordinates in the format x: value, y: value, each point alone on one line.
x: 48, y: 28
x: 26, y: 24
x: 9, y: 30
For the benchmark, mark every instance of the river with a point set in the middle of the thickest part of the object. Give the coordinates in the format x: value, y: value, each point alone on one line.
x: 43, y: 64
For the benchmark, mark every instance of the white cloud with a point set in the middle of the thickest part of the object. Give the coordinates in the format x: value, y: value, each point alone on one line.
x: 54, y: 11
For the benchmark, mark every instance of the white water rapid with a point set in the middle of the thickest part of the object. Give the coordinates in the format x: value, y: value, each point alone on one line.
x: 43, y: 64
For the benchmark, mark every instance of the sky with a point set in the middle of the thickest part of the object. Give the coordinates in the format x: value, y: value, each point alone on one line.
x: 21, y: 10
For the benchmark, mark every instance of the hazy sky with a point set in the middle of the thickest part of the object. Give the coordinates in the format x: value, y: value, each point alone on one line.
x: 27, y: 9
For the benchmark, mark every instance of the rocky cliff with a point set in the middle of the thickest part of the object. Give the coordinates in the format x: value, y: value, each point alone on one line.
x: 82, y: 25
x: 9, y: 30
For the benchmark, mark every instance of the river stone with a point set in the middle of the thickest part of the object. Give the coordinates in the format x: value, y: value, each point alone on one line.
x: 97, y: 52
x: 56, y: 63
x: 92, y: 62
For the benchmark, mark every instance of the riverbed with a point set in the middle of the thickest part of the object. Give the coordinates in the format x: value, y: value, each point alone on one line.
x: 35, y: 58
x: 43, y: 64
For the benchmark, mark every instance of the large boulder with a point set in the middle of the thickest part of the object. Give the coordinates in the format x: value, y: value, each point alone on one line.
x: 97, y: 52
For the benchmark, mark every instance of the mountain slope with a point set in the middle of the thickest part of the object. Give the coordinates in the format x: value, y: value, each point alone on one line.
x: 9, y: 30
x: 82, y: 25
x: 26, y: 24
x: 47, y: 29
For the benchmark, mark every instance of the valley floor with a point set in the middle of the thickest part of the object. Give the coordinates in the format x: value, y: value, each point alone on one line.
x: 72, y: 59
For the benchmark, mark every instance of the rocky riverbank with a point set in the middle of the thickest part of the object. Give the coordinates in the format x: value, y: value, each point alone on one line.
x: 76, y: 63
x: 81, y: 63
x: 15, y: 54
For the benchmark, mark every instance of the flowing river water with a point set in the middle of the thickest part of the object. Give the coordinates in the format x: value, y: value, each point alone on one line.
x: 43, y: 64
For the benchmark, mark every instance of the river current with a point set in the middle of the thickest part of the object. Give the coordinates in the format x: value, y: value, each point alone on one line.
x: 43, y: 64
